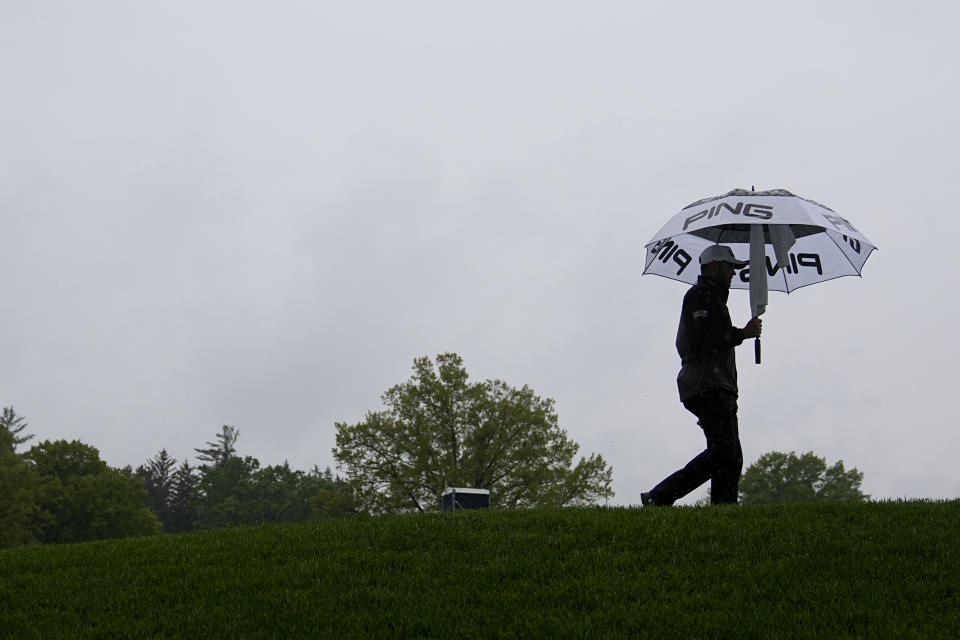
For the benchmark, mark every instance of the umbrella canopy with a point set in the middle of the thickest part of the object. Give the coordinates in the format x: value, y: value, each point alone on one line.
x: 804, y: 241
x: 792, y: 241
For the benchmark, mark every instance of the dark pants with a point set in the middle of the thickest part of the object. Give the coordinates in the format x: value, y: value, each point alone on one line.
x: 720, y: 462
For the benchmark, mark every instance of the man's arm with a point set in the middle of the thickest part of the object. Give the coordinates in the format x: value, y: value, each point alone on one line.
x: 753, y: 328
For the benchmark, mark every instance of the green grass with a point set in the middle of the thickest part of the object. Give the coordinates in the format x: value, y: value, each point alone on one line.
x: 802, y: 571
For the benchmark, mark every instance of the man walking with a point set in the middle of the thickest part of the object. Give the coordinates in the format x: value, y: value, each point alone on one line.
x: 706, y: 340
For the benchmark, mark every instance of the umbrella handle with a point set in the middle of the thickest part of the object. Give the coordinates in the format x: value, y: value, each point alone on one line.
x: 756, y: 349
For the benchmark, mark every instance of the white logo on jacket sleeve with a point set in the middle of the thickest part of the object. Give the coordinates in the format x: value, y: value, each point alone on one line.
x: 699, y: 314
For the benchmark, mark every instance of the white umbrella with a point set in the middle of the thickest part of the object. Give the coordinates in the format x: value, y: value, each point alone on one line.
x: 803, y: 242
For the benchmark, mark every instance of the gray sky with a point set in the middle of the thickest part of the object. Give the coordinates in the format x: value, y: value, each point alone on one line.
x: 259, y: 214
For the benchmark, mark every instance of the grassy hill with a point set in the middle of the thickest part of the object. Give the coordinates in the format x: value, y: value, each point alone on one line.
x: 801, y: 571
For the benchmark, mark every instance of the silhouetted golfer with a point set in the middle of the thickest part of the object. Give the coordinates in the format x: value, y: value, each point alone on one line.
x: 708, y: 382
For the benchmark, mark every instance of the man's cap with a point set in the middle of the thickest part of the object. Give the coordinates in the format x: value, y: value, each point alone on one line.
x: 720, y: 253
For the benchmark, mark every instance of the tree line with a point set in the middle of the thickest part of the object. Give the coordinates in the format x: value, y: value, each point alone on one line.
x: 438, y: 429
x: 62, y: 491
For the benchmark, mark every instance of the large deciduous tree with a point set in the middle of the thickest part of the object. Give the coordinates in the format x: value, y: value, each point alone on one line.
x: 777, y: 478
x: 440, y: 430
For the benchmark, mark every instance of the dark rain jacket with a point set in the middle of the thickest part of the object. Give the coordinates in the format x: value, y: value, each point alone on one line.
x: 706, y: 340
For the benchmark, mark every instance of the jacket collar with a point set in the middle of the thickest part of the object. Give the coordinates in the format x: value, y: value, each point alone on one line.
x: 723, y: 292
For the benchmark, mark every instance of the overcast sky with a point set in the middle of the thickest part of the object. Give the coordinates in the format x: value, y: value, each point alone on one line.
x: 259, y: 214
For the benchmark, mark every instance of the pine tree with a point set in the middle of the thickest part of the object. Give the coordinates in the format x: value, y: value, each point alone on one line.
x: 157, y: 475
x: 182, y: 503
x: 13, y: 423
x: 217, y: 453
